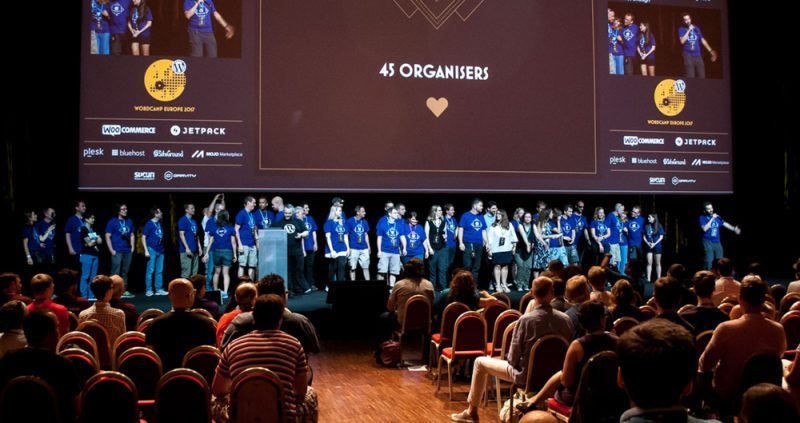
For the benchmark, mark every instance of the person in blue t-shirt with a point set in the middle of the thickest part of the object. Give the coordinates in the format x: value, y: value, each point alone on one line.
x: 612, y: 68
x: 634, y: 231
x: 32, y: 242
x: 99, y: 26
x: 90, y: 260
x: 615, y: 226
x: 570, y: 235
x: 691, y: 38
x: 188, y: 242
x: 337, y: 244
x: 46, y: 227
x: 557, y: 250
x: 247, y: 238
x: 358, y: 234
x: 472, y: 237
x: 615, y: 41
x: 647, y: 49
x: 310, y: 245
x: 391, y: 244
x: 416, y: 239
x: 583, y: 240
x: 222, y: 244
x: 623, y: 240
x: 153, y: 244
x: 120, y: 242
x: 201, y: 33
x: 451, y: 242
x: 264, y: 216
x: 600, y: 234
x: 72, y: 232
x: 118, y: 25
x: 140, y: 20
x: 710, y: 223
x: 654, y: 238
x: 630, y: 37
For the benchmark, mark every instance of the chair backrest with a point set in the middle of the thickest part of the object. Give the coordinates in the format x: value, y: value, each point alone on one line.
x: 623, y: 324
x: 418, y: 315
x: 28, y: 398
x: 73, y: 320
x: 469, y: 333
x: 761, y: 368
x: 523, y: 302
x: 546, y: 358
x: 508, y: 336
x: 730, y: 299
x: 100, y: 335
x: 204, y: 312
x: 84, y: 362
x: 79, y: 340
x: 502, y: 296
x: 183, y: 396
x: 143, y: 366
x: 726, y: 308
x: 502, y: 321
x: 599, y: 398
x: 203, y: 359
x: 144, y: 325
x: 702, y: 339
x: 257, y: 396
x: 651, y: 302
x: 490, y: 314
x: 791, y: 326
x: 449, y: 317
x: 109, y: 397
x: 150, y: 313
x: 125, y: 342
x: 795, y: 307
x: 648, y: 312
x: 686, y: 308
x: 788, y: 301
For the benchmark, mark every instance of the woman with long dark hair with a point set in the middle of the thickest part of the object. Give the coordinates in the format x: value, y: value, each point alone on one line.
x: 502, y: 243
x: 140, y: 20
x: 647, y: 49
x: 436, y: 230
x: 542, y: 233
x: 523, y: 255
x: 653, y: 237
x: 222, y: 244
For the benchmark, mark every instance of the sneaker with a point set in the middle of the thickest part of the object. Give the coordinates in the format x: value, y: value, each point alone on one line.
x: 224, y: 295
x: 162, y: 292
x: 127, y: 294
x: 326, y: 289
x: 307, y: 291
x: 148, y: 293
x: 464, y: 417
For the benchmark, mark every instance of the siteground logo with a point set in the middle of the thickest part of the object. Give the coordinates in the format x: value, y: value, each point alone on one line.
x: 165, y: 80
x: 167, y: 154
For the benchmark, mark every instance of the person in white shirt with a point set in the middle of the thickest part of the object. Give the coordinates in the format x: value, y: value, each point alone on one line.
x: 502, y: 244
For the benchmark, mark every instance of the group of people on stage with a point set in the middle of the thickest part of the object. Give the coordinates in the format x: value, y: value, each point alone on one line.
x: 518, y: 247
x: 630, y: 44
x: 114, y: 21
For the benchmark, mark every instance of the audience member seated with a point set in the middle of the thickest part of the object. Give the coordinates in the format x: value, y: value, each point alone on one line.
x: 597, y: 279
x: 768, y: 403
x: 413, y: 283
x: 131, y: 314
x: 678, y: 271
x: 735, y: 341
x: 706, y: 316
x: 577, y: 293
x: 624, y: 302
x: 667, y: 293
x: 543, y: 320
x: 13, y: 337
x: 657, y: 364
x: 634, y: 274
x: 294, y: 324
x: 66, y: 289
x: 267, y: 346
x: 791, y: 376
x: 11, y: 288
x: 109, y: 317
x: 726, y: 286
x: 200, y: 300
x: 564, y: 384
x: 463, y: 289
x: 793, y: 286
x: 39, y: 359
x: 42, y: 287
x: 173, y: 334
x: 559, y: 288
x: 232, y: 304
x: 245, y: 297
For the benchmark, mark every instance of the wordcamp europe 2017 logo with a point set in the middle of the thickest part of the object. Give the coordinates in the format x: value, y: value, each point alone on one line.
x: 165, y: 79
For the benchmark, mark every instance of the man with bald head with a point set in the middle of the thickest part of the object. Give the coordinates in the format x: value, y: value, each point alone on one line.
x: 131, y: 314
x: 543, y: 320
x: 277, y: 205
x: 178, y: 331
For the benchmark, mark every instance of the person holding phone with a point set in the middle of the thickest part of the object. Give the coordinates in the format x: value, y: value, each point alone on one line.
x: 201, y: 33
x: 711, y: 223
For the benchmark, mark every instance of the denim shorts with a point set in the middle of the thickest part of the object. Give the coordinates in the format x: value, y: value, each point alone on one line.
x: 223, y: 258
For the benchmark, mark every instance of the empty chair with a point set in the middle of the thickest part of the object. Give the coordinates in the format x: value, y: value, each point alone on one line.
x: 100, y: 335
x: 203, y: 359
x: 150, y: 313
x: 417, y: 319
x: 495, y: 346
x: 546, y: 358
x: 257, y: 396
x: 623, y: 324
x: 28, y: 398
x: 179, y: 388
x: 125, y: 342
x: 490, y: 314
x: 84, y: 362
x: 443, y: 339
x: 109, y: 397
x: 791, y: 326
x: 469, y: 342
x: 79, y: 340
x: 143, y: 367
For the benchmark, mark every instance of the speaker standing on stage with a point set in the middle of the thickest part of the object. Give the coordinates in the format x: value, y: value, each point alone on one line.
x: 153, y: 243
x: 710, y: 223
x: 188, y: 242
x: 296, y: 232
x: 201, y: 34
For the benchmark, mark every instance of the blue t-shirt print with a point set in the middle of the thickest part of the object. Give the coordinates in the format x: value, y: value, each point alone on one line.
x: 474, y: 225
x: 712, y: 234
x: 189, y: 228
x: 201, y: 20
x: 247, y: 227
x: 99, y: 22
x: 308, y: 242
x: 635, y: 231
x: 390, y: 233
x: 222, y: 237
x: 264, y: 219
x: 119, y: 15
x: 416, y: 239
x: 600, y: 228
x: 451, y: 227
x: 692, y: 44
x: 138, y: 22
x: 629, y: 35
x: 155, y: 235
x: 357, y: 232
x: 338, y: 232
x: 120, y: 230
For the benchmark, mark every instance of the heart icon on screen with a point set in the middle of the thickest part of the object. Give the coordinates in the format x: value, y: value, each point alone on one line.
x: 437, y: 107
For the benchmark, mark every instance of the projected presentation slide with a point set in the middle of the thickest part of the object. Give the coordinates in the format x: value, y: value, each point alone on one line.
x: 406, y: 95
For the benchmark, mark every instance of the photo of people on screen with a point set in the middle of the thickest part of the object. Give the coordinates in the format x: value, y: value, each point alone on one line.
x: 683, y: 48
x: 196, y: 28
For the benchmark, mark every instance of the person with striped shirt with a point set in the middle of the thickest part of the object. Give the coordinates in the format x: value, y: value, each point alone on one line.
x: 267, y: 346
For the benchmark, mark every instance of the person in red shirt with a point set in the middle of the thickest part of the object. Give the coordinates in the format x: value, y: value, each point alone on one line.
x: 43, y: 287
x: 245, y: 298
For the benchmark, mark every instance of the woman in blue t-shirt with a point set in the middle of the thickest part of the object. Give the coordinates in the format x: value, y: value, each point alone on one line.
x: 416, y: 239
x: 222, y: 243
x: 647, y: 49
x: 600, y: 233
x: 140, y: 20
x: 654, y: 238
x: 99, y: 26
x: 337, y: 245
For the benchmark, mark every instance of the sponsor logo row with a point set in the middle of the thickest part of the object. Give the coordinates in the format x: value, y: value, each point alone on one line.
x: 149, y: 175
x: 160, y: 153
x: 635, y: 141
x: 662, y: 181
x: 113, y: 130
x: 666, y: 161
